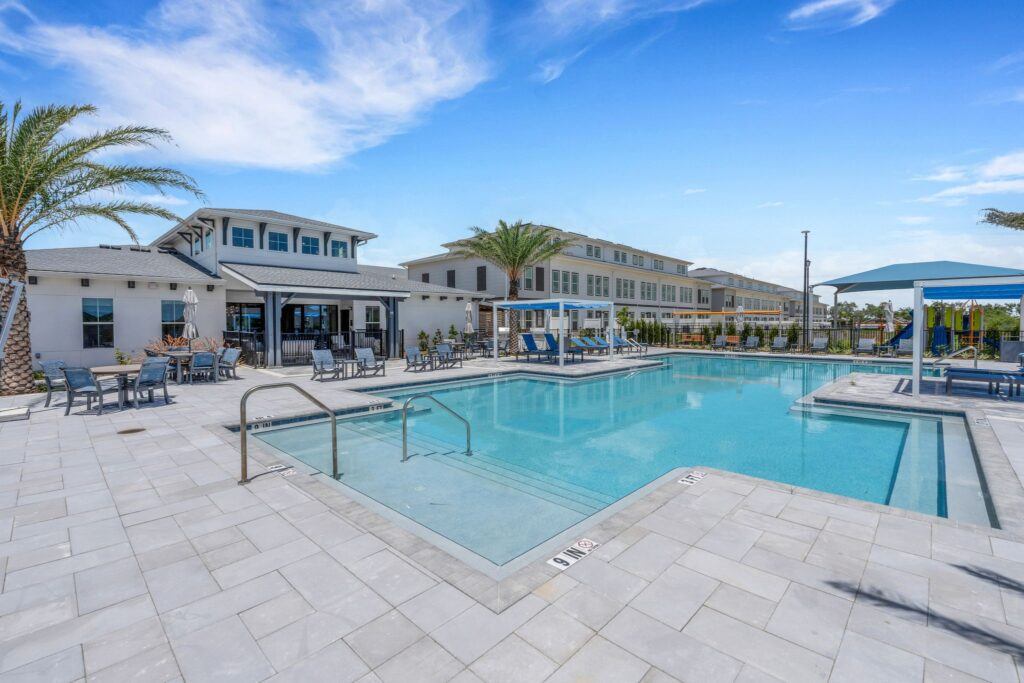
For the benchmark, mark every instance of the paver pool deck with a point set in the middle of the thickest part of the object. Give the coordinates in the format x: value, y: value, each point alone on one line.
x: 129, y: 552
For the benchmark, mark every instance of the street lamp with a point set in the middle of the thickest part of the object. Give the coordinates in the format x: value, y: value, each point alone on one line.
x: 807, y: 284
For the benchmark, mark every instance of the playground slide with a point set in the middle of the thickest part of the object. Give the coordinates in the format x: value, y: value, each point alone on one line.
x: 906, y: 333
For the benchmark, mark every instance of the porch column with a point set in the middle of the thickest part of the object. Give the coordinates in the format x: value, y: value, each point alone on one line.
x: 275, y: 357
x: 494, y: 317
x: 919, y: 334
x: 392, y: 308
x: 610, y: 330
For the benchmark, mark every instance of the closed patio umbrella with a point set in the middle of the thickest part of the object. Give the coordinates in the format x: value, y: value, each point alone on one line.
x: 191, y: 331
x: 468, y: 329
x: 890, y: 326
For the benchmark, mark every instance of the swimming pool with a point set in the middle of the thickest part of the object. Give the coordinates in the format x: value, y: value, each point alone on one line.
x: 549, y: 453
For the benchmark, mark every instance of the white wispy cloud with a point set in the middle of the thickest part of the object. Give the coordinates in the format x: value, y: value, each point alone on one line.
x: 694, y: 190
x: 551, y: 69
x: 841, y: 14
x: 1003, y: 174
x: 945, y: 174
x: 914, y: 220
x: 1010, y: 62
x: 221, y: 77
x: 769, y: 205
x: 562, y: 17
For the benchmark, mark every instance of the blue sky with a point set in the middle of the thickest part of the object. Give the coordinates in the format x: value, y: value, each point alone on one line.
x: 711, y: 130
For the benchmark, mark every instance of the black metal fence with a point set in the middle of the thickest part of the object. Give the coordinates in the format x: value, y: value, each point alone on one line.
x: 297, y: 347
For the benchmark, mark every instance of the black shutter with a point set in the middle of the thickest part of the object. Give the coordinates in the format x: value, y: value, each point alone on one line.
x: 538, y: 279
x: 481, y: 278
x: 425, y: 277
x: 224, y: 229
x: 451, y: 278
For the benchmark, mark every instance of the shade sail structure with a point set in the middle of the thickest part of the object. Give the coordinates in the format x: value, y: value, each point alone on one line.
x: 903, y: 275
x: 947, y: 293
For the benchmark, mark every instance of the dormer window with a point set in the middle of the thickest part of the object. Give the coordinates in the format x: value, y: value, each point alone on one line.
x: 277, y: 241
x: 339, y: 249
x: 242, y: 237
x: 310, y: 245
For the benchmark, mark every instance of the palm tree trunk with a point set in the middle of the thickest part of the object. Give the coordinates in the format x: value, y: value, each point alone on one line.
x: 512, y: 316
x: 16, y: 369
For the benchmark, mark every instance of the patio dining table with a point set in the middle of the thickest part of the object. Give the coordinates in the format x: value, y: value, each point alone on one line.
x: 121, y: 372
x: 181, y: 359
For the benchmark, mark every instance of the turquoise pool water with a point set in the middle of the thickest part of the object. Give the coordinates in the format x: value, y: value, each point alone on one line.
x: 548, y: 453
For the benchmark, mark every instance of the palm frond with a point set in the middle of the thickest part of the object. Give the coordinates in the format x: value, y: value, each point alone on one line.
x: 512, y: 247
x: 1006, y: 219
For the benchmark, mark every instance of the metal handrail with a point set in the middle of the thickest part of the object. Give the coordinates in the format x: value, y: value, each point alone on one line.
x: 957, y: 353
x: 405, y: 415
x: 243, y: 427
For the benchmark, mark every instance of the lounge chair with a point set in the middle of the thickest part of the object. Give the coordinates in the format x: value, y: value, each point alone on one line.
x: 325, y: 365
x: 583, y: 344
x: 780, y: 343
x: 415, y: 360
x: 227, y: 365
x: 719, y: 342
x: 53, y: 376
x: 994, y: 378
x: 905, y: 348
x: 819, y: 345
x: 446, y: 357
x: 864, y: 346
x: 204, y: 364
x: 530, y: 348
x: 598, y: 343
x: 752, y: 343
x: 619, y: 345
x: 152, y: 375
x: 568, y: 350
x: 81, y: 382
x: 366, y: 362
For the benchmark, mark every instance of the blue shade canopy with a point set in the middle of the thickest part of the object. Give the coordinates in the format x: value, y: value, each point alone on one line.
x: 551, y: 305
x: 903, y: 275
x: 1010, y: 291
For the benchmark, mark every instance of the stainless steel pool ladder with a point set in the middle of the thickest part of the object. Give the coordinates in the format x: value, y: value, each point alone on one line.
x: 935, y: 363
x: 244, y: 431
x: 405, y: 428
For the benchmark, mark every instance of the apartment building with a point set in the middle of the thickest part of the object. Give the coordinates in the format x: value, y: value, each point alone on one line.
x: 650, y: 285
x: 730, y: 291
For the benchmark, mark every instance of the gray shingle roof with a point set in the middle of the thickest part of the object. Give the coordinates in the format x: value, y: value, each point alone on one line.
x: 141, y: 262
x: 280, y: 276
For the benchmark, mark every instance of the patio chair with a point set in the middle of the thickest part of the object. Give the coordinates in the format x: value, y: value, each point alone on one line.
x: 567, y: 350
x: 204, y: 365
x: 905, y: 348
x: 81, y: 382
x: 753, y: 343
x: 864, y: 346
x: 228, y: 363
x: 324, y: 364
x: 152, y: 375
x: 366, y: 362
x: 530, y: 348
x: 600, y: 344
x: 583, y: 344
x: 446, y: 357
x: 780, y: 343
x: 53, y: 375
x: 819, y: 345
x: 415, y: 360
x: 719, y: 342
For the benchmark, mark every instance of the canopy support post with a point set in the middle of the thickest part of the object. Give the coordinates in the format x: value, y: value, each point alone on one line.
x: 609, y: 330
x: 561, y: 337
x: 919, y: 335
x: 494, y: 315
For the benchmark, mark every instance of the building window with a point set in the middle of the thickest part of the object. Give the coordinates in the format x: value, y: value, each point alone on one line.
x: 97, y: 323
x: 277, y: 241
x: 597, y: 252
x: 372, y: 318
x: 686, y: 295
x: 565, y: 282
x: 450, y: 278
x: 703, y: 296
x: 339, y: 249
x: 659, y: 265
x: 244, y: 317
x: 242, y: 237
x: 309, y: 319
x: 590, y: 250
x: 668, y: 293
x: 425, y: 277
x: 604, y: 286
x: 208, y: 240
x: 556, y: 283
x: 310, y: 245
x: 575, y: 283
x: 172, y: 318
x: 590, y: 285
x: 730, y: 301
x: 681, y: 268
x: 481, y: 278
x: 528, y: 278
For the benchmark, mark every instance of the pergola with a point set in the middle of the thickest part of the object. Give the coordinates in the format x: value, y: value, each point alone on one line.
x: 560, y: 305
x: 934, y: 280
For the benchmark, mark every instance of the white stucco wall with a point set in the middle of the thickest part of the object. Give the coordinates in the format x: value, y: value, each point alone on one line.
x: 55, y: 305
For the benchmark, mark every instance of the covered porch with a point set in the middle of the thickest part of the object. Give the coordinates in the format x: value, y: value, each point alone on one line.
x: 278, y: 316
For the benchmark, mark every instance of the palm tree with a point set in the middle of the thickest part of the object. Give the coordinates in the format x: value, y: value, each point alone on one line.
x: 1007, y: 219
x: 512, y: 248
x: 50, y: 179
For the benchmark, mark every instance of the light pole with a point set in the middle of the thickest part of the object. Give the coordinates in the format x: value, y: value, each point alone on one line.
x: 807, y: 284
